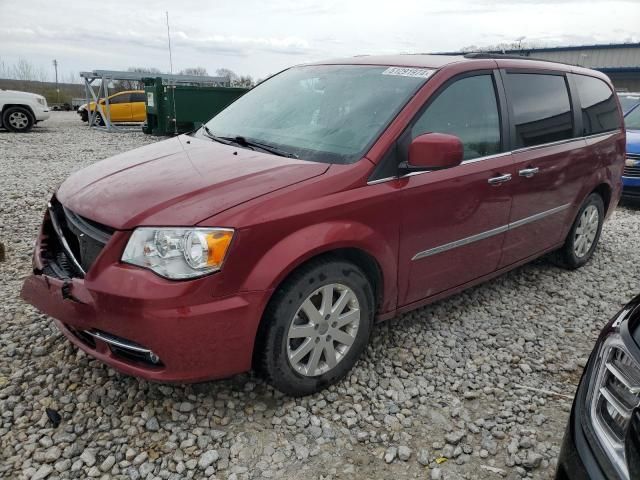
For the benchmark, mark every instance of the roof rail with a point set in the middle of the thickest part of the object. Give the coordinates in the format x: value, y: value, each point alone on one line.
x: 506, y: 56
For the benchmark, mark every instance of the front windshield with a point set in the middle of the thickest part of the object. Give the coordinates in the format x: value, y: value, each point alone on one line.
x: 632, y: 120
x: 326, y: 113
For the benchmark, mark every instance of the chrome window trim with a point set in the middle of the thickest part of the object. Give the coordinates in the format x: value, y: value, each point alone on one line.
x: 489, y: 233
x: 502, y: 154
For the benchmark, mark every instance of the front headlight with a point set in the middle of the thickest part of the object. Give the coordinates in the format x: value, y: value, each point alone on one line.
x: 178, y: 253
x: 614, y: 393
x: 42, y: 101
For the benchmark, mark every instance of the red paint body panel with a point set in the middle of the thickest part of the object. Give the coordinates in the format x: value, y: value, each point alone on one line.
x: 286, y: 211
x: 177, y: 182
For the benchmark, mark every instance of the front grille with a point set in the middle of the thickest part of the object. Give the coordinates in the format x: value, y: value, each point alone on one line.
x: 71, y: 243
x: 614, y: 396
x: 631, y: 171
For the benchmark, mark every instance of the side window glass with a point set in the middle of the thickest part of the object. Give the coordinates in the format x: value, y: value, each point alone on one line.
x: 541, y: 108
x: 137, y: 97
x: 467, y: 109
x: 598, y: 104
x: 124, y: 98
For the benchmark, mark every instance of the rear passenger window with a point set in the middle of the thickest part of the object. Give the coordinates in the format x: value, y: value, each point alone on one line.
x: 541, y: 108
x: 467, y: 109
x: 598, y: 103
x: 138, y: 97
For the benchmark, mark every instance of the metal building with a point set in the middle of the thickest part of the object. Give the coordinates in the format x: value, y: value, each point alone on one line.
x: 621, y: 61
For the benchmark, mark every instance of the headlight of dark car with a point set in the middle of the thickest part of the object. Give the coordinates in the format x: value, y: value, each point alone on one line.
x: 614, y: 394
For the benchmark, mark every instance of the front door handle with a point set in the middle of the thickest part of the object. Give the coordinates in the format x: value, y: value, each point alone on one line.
x: 528, y: 172
x: 500, y: 179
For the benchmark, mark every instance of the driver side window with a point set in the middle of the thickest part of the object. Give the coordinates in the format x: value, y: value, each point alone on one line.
x: 467, y: 109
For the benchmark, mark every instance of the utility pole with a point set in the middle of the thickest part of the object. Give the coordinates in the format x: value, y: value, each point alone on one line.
x: 55, y: 66
x: 169, y: 39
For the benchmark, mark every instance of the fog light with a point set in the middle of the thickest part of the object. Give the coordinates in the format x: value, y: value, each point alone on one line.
x: 154, y: 358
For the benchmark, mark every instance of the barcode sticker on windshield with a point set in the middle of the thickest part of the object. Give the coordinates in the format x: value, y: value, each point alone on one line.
x: 408, y: 72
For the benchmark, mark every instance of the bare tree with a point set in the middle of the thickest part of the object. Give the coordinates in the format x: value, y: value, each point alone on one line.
x: 197, y: 71
x: 245, y: 81
x: 134, y: 84
x: 230, y: 74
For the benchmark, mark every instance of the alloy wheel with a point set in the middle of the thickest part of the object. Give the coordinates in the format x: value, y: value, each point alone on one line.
x: 323, y: 330
x: 586, y: 231
x: 18, y: 120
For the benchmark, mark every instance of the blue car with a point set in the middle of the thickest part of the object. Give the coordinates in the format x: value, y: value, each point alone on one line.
x: 628, y: 101
x: 631, y: 173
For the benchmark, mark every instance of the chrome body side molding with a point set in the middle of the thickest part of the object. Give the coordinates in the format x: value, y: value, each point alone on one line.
x: 489, y: 233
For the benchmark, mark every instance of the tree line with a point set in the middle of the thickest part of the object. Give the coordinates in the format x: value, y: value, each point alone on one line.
x: 27, y: 71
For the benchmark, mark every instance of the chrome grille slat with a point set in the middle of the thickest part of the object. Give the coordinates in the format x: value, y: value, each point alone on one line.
x: 615, y: 403
x: 621, y: 376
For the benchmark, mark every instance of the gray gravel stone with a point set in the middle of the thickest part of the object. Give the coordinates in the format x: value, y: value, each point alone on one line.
x: 443, y: 376
x: 390, y: 454
x: 208, y: 458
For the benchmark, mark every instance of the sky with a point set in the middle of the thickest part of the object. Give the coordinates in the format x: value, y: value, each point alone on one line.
x: 261, y: 37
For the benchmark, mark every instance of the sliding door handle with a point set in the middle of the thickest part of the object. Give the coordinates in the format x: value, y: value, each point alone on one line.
x: 500, y: 179
x: 528, y: 172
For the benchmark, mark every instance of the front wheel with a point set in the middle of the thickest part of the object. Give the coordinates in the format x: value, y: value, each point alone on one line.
x: 17, y: 119
x: 584, y: 234
x: 316, y: 327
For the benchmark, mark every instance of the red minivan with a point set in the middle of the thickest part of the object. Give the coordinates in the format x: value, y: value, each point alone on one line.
x: 328, y: 197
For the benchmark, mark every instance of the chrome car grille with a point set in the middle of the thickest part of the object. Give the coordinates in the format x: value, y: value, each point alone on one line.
x: 72, y: 243
x: 632, y: 171
x: 615, y: 395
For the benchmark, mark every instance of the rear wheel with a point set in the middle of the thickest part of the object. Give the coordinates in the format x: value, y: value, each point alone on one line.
x: 584, y: 234
x: 316, y: 327
x: 17, y: 119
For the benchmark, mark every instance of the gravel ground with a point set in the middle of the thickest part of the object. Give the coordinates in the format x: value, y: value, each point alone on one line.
x: 440, y: 392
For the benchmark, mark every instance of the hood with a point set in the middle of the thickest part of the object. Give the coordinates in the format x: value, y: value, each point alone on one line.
x: 25, y: 94
x: 178, y: 182
x: 633, y: 141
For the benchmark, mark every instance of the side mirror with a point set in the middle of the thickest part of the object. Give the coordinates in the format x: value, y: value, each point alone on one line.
x: 434, y: 151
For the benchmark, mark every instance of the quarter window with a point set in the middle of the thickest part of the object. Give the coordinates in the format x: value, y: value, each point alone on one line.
x: 598, y: 103
x: 467, y: 109
x: 541, y: 108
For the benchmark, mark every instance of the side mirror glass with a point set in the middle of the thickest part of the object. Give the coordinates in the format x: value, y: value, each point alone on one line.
x: 435, y: 151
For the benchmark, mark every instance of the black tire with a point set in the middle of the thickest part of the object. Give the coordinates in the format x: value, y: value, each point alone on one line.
x: 568, y: 256
x: 84, y: 116
x: 272, y: 358
x: 98, y: 120
x: 17, y: 119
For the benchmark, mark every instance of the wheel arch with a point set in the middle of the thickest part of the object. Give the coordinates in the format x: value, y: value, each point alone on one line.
x: 357, y: 256
x: 21, y: 105
x: 605, y: 191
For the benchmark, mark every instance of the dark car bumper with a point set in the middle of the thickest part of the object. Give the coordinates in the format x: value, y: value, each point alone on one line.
x: 631, y: 187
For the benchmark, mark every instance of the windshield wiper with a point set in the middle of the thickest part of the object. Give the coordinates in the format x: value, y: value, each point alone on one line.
x: 209, y: 134
x: 242, y: 141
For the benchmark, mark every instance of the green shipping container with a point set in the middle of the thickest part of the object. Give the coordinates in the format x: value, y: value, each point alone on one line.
x: 174, y: 109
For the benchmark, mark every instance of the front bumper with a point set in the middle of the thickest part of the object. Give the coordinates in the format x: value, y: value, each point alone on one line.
x: 195, y: 334
x: 193, y: 343
x: 631, y: 187
x: 41, y: 114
